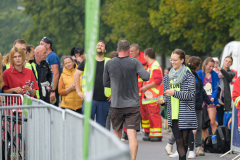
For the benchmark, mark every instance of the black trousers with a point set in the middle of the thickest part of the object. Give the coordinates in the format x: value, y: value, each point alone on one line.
x: 181, y: 137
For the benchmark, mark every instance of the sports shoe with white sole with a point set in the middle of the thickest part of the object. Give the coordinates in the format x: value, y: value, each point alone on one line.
x: 199, y: 151
x: 169, y: 148
x: 191, y: 155
x: 175, y: 155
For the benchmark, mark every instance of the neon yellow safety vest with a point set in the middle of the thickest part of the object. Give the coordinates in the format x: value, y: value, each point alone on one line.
x: 36, y: 74
x: 107, y: 91
x: 27, y: 65
x: 7, y: 65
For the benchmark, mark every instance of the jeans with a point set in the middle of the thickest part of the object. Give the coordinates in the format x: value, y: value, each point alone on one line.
x: 100, y: 110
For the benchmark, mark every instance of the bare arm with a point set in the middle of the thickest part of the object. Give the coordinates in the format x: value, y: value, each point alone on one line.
x: 55, y: 71
x: 145, y: 88
x: 76, y: 77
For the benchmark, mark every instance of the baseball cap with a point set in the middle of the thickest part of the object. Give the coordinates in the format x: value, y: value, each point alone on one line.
x: 48, y: 41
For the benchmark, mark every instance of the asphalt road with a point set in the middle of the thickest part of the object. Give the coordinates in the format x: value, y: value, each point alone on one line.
x: 156, y: 150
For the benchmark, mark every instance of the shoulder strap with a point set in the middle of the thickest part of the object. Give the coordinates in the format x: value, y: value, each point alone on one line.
x: 227, y: 135
x: 221, y: 136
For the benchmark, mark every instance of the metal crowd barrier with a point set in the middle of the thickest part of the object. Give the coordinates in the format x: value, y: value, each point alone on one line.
x: 43, y: 131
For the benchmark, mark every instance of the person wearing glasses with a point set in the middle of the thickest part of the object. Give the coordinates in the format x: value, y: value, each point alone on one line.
x: 54, y: 62
x: 179, y: 94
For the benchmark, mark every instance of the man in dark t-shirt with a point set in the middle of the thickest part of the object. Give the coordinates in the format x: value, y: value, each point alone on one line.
x: 121, y: 74
x: 100, y: 103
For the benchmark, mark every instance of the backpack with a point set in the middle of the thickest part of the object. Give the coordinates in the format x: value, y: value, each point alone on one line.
x: 223, y: 141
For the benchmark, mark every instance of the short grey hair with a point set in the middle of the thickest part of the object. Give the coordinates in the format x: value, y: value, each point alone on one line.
x: 123, y: 45
x: 137, y: 47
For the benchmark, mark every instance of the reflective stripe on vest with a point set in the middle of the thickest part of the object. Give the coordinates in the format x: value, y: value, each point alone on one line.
x: 237, y: 100
x: 107, y: 91
x: 36, y: 74
x: 153, y: 94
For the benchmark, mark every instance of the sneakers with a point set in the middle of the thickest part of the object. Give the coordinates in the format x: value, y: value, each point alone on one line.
x: 169, y: 148
x: 199, y: 151
x: 175, y: 155
x: 146, y: 137
x: 124, y: 137
x: 155, y: 139
x: 191, y: 155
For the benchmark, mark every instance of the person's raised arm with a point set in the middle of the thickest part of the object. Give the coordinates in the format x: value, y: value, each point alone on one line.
x: 143, y: 74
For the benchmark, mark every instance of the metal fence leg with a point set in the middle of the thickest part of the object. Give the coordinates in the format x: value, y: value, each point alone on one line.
x: 236, y: 157
x: 226, y: 153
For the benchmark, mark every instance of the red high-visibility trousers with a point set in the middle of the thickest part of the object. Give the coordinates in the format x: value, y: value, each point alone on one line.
x: 145, y: 117
x: 155, y: 120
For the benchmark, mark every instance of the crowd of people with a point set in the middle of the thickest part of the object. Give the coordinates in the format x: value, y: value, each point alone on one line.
x: 129, y: 88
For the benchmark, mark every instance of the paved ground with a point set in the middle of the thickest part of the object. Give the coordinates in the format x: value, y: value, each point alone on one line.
x: 156, y: 150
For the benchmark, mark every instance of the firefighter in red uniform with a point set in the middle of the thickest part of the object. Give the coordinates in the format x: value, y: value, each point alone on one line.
x: 236, y: 99
x: 136, y: 53
x: 151, y: 92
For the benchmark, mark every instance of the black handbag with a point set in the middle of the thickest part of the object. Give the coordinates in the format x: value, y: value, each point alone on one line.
x: 205, y: 118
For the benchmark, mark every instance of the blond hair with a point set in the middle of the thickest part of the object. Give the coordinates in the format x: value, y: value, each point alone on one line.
x: 205, y: 63
x: 15, y: 50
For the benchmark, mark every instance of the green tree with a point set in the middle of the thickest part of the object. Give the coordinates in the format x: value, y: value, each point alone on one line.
x: 60, y: 20
x: 13, y: 22
x: 206, y: 25
x: 131, y: 20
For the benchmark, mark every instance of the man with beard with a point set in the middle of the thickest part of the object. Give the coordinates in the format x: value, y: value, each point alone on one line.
x: 101, y: 94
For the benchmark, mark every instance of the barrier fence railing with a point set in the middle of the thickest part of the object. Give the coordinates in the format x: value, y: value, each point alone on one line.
x: 42, y: 131
x: 235, y: 135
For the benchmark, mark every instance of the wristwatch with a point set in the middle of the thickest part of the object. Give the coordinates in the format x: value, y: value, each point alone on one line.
x: 52, y: 90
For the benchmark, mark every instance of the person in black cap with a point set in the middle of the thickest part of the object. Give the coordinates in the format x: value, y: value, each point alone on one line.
x: 54, y: 62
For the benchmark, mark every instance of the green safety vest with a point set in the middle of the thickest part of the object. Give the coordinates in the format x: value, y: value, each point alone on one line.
x: 107, y: 91
x: 29, y: 66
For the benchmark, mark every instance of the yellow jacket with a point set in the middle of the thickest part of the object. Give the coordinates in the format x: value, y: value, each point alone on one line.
x: 70, y: 100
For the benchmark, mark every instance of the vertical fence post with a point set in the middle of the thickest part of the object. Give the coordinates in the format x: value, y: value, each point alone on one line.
x: 91, y: 36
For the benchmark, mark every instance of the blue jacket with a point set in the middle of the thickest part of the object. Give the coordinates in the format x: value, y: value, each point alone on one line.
x: 215, y: 84
x: 187, y: 116
x: 200, y: 93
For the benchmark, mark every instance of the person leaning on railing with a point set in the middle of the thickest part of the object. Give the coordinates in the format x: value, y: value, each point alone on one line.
x: 18, y: 79
x: 66, y: 87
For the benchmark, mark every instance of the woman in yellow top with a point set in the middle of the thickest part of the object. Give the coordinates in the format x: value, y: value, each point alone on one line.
x: 66, y: 87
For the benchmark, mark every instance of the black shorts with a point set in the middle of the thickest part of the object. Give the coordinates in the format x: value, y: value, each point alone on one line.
x: 128, y: 118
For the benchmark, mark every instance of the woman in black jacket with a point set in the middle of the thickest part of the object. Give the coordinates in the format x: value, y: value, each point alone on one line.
x: 194, y: 65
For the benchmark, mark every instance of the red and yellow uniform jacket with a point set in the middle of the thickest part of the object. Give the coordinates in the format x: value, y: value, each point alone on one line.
x: 144, y: 63
x: 153, y: 94
x: 236, y: 99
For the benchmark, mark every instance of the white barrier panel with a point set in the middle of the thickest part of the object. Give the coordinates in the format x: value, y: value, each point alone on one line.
x: 51, y: 133
x: 236, y: 134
